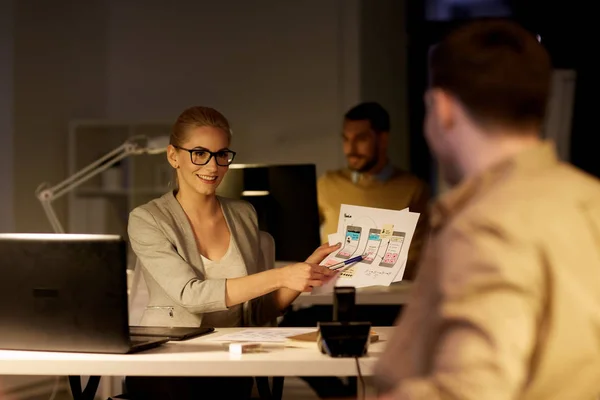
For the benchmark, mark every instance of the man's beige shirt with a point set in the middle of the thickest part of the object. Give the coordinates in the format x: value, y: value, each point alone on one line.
x: 507, y: 301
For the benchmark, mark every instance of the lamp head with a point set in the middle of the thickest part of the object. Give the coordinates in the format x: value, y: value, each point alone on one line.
x: 156, y: 145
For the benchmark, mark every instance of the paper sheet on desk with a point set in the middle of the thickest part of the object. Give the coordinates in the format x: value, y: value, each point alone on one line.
x: 383, y: 236
x: 262, y: 335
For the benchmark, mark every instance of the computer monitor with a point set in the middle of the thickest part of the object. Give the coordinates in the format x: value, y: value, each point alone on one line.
x: 285, y: 199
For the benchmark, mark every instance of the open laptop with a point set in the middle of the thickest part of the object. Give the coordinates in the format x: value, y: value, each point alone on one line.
x: 66, y: 292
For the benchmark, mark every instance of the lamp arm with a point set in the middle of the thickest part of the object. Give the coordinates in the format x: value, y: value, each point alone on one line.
x: 52, y: 217
x: 88, y: 172
x: 91, y: 172
x: 47, y: 194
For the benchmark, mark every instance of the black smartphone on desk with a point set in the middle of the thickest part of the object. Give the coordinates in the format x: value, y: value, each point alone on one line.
x: 172, y: 333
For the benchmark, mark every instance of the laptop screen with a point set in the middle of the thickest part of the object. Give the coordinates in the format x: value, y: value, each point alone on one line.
x: 63, y: 292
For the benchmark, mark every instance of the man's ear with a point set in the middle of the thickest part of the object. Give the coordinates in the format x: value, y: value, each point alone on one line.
x: 444, y: 106
x: 384, y: 139
x: 172, y: 156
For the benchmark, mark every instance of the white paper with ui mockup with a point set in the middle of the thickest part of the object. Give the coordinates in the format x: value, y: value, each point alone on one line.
x: 382, y: 236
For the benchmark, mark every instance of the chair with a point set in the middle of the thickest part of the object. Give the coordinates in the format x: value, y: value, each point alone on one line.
x: 138, y: 296
x: 267, y: 249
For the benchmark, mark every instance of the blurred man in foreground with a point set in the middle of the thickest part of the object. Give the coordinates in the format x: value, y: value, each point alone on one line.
x: 506, y: 304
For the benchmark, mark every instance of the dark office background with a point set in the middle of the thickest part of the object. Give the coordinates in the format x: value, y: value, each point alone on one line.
x: 566, y: 28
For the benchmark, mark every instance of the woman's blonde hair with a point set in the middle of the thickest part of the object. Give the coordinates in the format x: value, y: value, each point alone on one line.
x: 195, y: 117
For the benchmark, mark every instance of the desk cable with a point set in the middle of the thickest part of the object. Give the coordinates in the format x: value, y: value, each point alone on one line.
x: 362, y: 380
x: 89, y: 392
x: 55, y: 388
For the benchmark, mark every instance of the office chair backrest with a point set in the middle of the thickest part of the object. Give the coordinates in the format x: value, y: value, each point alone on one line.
x: 267, y: 247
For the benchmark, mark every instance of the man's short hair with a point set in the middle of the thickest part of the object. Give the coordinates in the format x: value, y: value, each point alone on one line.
x: 497, y: 69
x: 373, y: 112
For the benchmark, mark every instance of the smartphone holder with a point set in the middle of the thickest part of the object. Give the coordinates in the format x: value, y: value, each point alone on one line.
x: 344, y: 337
x: 344, y: 304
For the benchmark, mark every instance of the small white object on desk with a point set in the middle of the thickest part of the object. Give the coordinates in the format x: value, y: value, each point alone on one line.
x: 243, y: 348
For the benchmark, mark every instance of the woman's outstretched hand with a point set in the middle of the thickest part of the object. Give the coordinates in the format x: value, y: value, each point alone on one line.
x: 302, y: 277
x: 321, y: 252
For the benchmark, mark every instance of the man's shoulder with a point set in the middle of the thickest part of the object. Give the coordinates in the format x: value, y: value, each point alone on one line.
x: 534, y: 202
x: 407, y: 181
x: 332, y: 178
x: 555, y: 186
x: 401, y: 174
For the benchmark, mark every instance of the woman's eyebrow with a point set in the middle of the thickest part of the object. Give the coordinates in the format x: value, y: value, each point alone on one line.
x: 204, y: 148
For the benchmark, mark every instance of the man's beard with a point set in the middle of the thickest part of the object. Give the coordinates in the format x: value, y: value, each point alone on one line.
x: 370, y: 163
x: 367, y: 166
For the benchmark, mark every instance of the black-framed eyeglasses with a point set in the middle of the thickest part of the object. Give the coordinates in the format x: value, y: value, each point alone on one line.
x: 224, y: 158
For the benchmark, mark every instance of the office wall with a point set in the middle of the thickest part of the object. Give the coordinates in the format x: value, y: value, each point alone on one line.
x: 383, y: 71
x: 59, y: 74
x: 57, y: 56
x: 6, y: 116
x: 283, y: 72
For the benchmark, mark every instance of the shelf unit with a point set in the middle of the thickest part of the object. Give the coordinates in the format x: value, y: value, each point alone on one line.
x: 102, y: 205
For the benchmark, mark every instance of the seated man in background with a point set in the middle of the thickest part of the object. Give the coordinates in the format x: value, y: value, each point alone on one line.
x: 506, y: 304
x: 370, y: 180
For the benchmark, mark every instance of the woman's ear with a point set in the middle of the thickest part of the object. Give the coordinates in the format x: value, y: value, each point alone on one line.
x: 172, y: 156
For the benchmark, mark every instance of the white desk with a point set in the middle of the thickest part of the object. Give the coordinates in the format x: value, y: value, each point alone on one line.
x: 196, y: 357
x: 395, y: 294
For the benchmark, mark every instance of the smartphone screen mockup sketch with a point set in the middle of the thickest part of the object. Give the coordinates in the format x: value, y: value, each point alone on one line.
x: 350, y: 242
x: 393, y: 249
x: 373, y: 243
